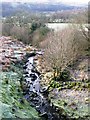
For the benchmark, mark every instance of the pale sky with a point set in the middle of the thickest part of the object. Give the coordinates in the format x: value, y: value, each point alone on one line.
x: 42, y: 1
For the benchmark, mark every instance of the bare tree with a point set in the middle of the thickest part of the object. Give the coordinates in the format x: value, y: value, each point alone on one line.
x: 63, y: 48
x: 21, y: 33
x: 82, y: 20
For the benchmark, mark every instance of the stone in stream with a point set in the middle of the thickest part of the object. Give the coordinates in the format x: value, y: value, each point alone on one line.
x: 35, y: 71
x: 29, y: 55
x: 36, y: 86
x: 31, y: 88
x: 30, y: 60
x: 24, y: 66
x: 28, y: 72
x: 27, y: 79
x: 33, y: 77
x: 44, y: 89
x: 30, y: 66
x: 27, y: 75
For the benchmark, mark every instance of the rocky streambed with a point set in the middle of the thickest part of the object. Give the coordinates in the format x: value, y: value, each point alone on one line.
x: 37, y: 95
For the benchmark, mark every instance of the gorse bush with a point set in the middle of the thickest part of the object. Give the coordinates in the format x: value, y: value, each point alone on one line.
x: 34, y: 26
x: 39, y: 35
x: 64, y: 76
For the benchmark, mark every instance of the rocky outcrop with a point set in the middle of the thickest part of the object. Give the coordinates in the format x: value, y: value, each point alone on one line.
x: 11, y: 50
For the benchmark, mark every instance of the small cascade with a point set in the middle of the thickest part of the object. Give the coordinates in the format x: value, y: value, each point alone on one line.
x: 38, y: 96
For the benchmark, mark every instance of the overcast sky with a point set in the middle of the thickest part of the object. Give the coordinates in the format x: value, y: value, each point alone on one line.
x: 42, y: 1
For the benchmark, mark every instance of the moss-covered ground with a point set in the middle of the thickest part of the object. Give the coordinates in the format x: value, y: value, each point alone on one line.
x: 12, y: 102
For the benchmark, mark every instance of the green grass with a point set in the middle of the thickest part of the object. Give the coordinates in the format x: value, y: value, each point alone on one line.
x: 11, y: 95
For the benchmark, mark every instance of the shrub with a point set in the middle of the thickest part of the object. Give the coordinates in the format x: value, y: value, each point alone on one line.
x: 62, y: 48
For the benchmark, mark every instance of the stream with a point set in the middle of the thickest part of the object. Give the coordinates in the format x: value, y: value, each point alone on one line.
x: 36, y: 95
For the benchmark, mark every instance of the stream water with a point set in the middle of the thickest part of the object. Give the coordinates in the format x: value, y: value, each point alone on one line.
x: 38, y: 96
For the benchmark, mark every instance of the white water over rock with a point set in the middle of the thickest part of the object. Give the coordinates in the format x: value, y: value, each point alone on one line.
x: 32, y: 78
x: 37, y: 95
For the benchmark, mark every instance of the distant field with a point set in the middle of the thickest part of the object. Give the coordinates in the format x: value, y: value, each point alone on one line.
x: 59, y: 26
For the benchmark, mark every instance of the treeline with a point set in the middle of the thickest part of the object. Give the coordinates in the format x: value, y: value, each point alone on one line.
x: 29, y: 32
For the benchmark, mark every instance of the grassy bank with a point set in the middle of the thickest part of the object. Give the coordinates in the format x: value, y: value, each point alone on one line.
x: 12, y: 102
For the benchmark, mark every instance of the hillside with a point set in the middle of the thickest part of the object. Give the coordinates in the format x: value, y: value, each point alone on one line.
x: 10, y: 8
